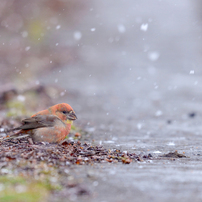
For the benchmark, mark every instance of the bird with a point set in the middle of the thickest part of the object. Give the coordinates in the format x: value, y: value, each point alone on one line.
x: 51, y: 125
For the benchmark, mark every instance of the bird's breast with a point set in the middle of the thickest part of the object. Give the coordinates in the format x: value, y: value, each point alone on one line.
x: 54, y: 134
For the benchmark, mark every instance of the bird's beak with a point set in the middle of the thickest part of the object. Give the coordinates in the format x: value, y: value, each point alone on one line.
x: 72, y: 116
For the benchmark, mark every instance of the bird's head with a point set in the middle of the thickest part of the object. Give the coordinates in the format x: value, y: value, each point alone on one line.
x: 65, y: 112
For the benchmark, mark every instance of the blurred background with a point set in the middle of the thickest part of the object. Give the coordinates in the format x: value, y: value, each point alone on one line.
x: 113, y: 61
x: 142, y: 54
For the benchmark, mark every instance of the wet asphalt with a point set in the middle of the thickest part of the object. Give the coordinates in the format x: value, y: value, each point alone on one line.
x: 136, y: 86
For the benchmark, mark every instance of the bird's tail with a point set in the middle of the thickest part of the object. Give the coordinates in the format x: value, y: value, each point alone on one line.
x: 17, y: 135
x: 13, y: 137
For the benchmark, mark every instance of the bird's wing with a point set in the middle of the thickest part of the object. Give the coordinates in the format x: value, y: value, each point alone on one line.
x: 38, y: 121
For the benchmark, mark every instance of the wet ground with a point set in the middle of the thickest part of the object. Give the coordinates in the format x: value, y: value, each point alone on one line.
x: 138, y: 89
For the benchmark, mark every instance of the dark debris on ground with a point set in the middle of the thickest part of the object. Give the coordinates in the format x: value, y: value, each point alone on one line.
x: 63, y: 154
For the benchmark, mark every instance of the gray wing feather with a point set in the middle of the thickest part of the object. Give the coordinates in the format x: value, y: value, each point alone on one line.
x: 38, y: 121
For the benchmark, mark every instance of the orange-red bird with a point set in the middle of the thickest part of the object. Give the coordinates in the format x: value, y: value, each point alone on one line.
x: 51, y: 125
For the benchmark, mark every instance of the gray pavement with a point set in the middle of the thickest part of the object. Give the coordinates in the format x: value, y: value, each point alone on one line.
x: 139, y: 68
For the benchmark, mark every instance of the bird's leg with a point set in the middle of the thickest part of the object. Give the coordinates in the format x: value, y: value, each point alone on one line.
x: 30, y: 141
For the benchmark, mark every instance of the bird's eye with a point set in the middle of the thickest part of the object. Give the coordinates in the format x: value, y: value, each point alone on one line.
x: 64, y: 112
